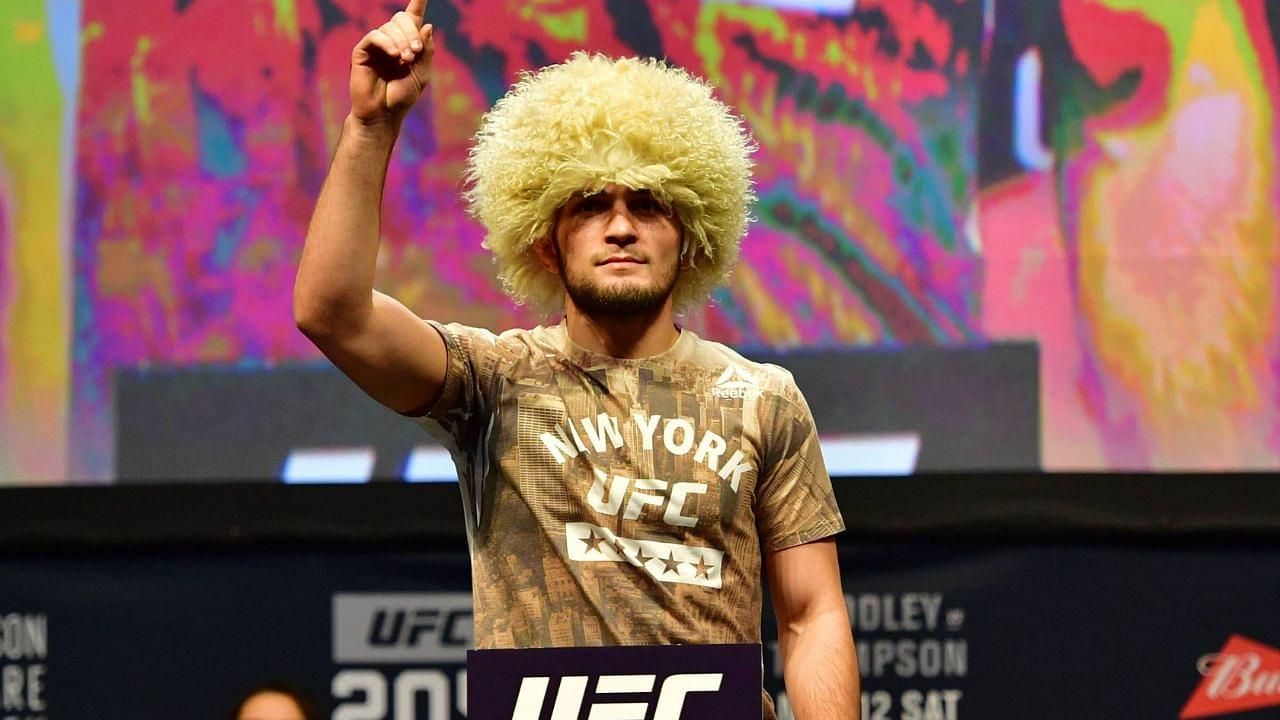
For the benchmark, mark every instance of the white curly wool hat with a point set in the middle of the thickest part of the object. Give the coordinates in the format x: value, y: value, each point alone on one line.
x: 592, y: 121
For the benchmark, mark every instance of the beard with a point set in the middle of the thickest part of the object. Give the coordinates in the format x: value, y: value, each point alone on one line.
x: 618, y: 298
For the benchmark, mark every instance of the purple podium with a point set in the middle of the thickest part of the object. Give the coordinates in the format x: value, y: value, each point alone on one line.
x: 647, y: 682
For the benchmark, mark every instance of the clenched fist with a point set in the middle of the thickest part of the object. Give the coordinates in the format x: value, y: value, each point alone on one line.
x: 391, y: 66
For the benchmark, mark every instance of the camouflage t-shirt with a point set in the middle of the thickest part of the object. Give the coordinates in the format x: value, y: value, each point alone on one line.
x: 624, y: 502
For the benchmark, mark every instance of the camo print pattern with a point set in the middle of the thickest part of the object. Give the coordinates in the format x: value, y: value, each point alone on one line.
x: 624, y: 502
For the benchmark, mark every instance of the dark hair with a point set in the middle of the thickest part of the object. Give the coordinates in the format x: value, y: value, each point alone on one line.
x: 299, y: 698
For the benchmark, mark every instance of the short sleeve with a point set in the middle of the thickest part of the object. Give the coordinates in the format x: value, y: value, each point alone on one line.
x: 794, y: 500
x: 469, y: 370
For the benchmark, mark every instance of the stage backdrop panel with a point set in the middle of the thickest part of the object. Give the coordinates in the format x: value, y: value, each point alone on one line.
x: 878, y: 412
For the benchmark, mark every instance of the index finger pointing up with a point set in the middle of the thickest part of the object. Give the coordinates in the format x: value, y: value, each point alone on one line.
x: 416, y: 8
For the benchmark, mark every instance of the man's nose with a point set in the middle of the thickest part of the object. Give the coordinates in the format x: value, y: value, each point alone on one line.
x: 621, y: 229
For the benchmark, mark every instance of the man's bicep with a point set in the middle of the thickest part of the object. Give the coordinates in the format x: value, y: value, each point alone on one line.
x: 394, y: 356
x: 804, y: 579
x: 795, y: 503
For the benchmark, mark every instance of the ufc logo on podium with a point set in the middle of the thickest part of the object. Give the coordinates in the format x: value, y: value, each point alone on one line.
x: 653, y: 682
x: 568, y: 705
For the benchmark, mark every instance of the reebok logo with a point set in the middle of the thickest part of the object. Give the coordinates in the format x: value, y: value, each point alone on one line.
x: 734, y: 383
x: 1244, y: 675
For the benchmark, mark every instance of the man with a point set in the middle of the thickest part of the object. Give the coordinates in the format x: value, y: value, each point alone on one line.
x: 621, y: 476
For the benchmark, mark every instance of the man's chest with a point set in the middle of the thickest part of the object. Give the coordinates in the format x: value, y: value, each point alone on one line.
x: 643, y: 449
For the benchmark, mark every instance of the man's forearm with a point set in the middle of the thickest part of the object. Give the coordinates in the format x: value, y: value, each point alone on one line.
x: 821, y: 668
x: 335, y: 275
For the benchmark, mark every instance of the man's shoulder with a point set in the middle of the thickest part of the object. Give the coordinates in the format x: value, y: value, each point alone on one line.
x: 539, y: 334
x: 735, y: 370
x: 512, y: 338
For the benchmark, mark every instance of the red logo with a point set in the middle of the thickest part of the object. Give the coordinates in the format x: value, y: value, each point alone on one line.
x: 1244, y: 675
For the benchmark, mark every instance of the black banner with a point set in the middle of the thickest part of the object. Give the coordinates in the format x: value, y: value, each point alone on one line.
x: 956, y: 632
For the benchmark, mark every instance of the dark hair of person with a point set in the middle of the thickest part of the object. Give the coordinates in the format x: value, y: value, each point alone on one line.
x: 299, y: 698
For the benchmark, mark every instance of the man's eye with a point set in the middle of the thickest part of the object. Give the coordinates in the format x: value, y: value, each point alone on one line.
x: 648, y: 205
x: 591, y: 205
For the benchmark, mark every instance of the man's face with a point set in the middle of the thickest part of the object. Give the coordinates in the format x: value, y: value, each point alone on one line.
x: 617, y: 251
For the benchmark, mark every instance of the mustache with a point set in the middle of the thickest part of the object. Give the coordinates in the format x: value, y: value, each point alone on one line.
x: 602, y: 258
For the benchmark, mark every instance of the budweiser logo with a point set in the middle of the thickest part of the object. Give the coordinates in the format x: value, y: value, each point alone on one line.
x: 1244, y: 675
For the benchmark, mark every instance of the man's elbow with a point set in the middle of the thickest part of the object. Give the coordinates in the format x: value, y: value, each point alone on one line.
x: 319, y: 318
x: 308, y: 317
x: 823, y: 618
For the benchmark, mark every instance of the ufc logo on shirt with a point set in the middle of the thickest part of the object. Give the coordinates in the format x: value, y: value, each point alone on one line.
x: 569, y: 698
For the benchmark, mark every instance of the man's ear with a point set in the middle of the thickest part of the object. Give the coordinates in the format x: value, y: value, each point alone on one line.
x: 548, y: 254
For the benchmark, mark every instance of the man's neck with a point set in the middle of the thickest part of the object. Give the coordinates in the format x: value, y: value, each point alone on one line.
x: 629, y: 337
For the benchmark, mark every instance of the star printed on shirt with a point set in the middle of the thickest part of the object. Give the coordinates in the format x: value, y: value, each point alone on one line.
x: 593, y: 542
x: 702, y: 569
x: 671, y: 564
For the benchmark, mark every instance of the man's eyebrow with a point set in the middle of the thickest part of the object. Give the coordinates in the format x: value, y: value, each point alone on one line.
x: 637, y: 194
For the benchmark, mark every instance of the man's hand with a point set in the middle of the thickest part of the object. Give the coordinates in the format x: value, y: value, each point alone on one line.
x: 391, y: 66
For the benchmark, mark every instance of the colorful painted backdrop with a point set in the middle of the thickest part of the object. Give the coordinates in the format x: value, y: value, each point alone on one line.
x: 1096, y: 174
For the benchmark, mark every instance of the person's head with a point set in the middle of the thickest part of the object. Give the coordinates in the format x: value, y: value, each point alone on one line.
x: 274, y: 701
x: 619, y: 183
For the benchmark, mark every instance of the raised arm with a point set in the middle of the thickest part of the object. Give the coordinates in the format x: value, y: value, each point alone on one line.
x: 815, y: 642
x: 379, y: 343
